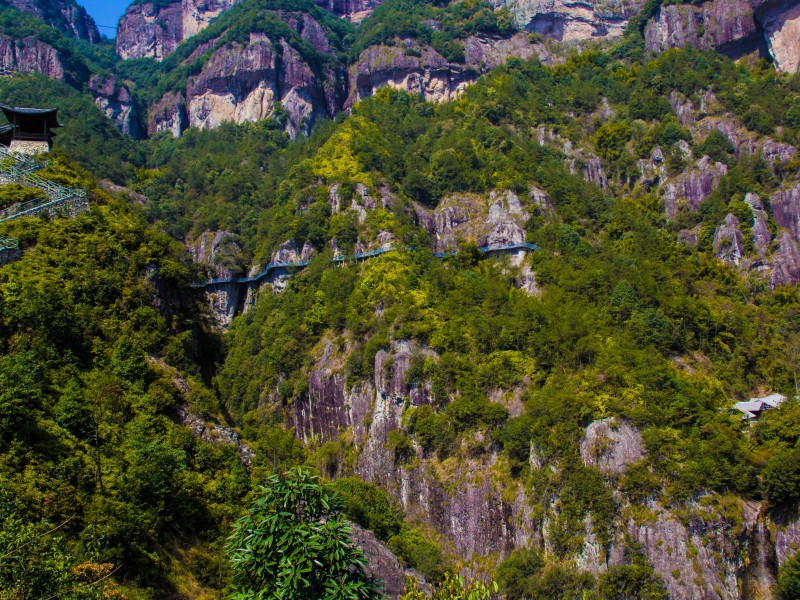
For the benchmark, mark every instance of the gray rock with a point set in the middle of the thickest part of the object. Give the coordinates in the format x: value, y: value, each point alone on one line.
x: 785, y: 262
x: 381, y: 562
x: 729, y: 241
x: 65, y: 15
x: 692, y: 186
x: 728, y: 26
x: 116, y: 103
x: 29, y: 55
x: 611, y: 445
x: 222, y: 253
x: 786, y: 209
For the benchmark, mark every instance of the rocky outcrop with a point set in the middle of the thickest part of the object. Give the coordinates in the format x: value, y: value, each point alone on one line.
x: 422, y: 71
x: 155, y: 29
x: 692, y: 186
x: 222, y: 253
x: 244, y: 83
x: 699, y: 551
x: 733, y: 27
x: 354, y: 10
x: 698, y: 554
x: 327, y: 408
x: 494, y: 220
x: 729, y: 241
x: 781, y: 24
x: 611, y: 445
x: 116, y: 103
x: 567, y: 21
x: 744, y: 141
x: 728, y: 26
x: 785, y: 262
x: 168, y: 114
x: 29, y: 55
x: 65, y: 15
x: 381, y: 562
x: 786, y: 209
x: 209, y: 430
x: 213, y: 432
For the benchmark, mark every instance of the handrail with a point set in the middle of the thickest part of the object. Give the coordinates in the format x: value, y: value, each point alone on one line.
x: 359, y: 256
x: 56, y: 194
x: 9, y: 243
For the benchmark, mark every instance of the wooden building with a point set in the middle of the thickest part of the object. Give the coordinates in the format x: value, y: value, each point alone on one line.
x: 29, y: 130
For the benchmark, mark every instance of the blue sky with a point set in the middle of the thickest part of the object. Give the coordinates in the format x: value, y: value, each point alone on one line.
x: 106, y: 12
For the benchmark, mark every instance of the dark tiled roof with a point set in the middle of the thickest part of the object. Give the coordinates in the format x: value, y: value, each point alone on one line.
x: 48, y: 113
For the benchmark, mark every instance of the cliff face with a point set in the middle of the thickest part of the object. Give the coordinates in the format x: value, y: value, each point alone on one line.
x: 700, y: 551
x: 221, y: 252
x: 423, y: 71
x: 154, y: 30
x: 781, y: 25
x: 65, y: 15
x: 115, y: 100
x: 567, y: 20
x: 244, y: 82
x: 29, y: 55
x: 733, y: 27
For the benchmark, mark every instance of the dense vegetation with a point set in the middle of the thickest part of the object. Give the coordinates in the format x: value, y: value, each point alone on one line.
x: 102, y: 338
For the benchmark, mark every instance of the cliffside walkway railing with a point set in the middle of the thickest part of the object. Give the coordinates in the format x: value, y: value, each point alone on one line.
x: 212, y: 283
x: 9, y: 249
x: 58, y: 199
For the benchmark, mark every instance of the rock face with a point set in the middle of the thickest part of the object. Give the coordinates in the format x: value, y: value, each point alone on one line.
x: 213, y: 432
x: 168, y: 114
x: 496, y: 220
x: 66, y: 15
x: 699, y: 559
x: 425, y: 72
x: 699, y: 553
x: 786, y: 209
x: 781, y: 25
x: 244, y: 82
x: 733, y: 27
x: 29, y: 55
x: 116, y: 103
x: 565, y: 20
x: 611, y: 445
x: 153, y: 29
x: 222, y: 253
x: 692, y: 186
x: 729, y: 241
x: 381, y: 562
x: 728, y: 26
x: 354, y: 10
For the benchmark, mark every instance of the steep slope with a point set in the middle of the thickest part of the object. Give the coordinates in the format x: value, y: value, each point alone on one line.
x: 568, y: 401
x: 65, y: 15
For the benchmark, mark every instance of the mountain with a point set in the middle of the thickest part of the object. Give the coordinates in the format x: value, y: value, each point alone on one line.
x: 501, y: 291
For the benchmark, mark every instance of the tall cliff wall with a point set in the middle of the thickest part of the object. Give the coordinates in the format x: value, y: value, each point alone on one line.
x: 66, y: 15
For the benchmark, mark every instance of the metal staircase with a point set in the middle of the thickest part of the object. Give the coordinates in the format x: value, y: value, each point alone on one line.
x: 58, y: 199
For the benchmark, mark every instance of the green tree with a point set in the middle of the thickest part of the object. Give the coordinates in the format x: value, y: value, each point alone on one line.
x: 789, y: 579
x: 295, y: 543
x: 782, y: 477
x: 452, y: 588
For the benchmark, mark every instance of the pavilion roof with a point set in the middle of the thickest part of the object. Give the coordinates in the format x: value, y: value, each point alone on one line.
x: 49, y: 114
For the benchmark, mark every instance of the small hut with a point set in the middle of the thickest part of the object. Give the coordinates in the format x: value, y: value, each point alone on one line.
x: 29, y: 130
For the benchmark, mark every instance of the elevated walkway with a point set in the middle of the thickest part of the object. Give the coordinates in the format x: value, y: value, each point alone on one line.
x: 213, y: 284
